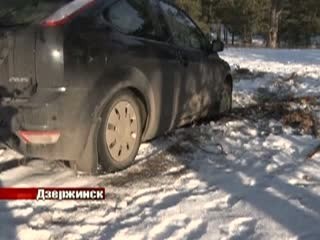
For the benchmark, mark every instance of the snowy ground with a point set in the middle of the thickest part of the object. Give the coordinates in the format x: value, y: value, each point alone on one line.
x: 246, y: 176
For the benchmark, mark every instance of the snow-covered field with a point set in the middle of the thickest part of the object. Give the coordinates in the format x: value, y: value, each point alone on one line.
x: 246, y: 176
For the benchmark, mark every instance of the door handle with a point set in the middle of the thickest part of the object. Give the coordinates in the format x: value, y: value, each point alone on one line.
x: 183, y: 59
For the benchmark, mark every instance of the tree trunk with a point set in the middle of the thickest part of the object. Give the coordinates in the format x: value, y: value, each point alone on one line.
x: 275, y: 14
x: 247, y: 36
x: 219, y: 28
x: 226, y: 40
x: 232, y: 38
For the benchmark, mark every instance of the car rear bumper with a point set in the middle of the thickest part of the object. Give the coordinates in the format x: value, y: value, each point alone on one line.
x: 39, y: 118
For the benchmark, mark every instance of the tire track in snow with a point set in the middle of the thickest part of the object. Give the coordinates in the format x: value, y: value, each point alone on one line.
x: 239, y: 228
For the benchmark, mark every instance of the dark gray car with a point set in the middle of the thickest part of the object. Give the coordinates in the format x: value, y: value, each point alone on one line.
x: 89, y: 80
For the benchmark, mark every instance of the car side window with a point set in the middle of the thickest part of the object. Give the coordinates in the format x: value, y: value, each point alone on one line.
x: 131, y: 17
x: 184, y: 32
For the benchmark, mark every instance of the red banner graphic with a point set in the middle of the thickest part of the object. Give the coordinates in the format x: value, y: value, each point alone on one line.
x: 52, y: 194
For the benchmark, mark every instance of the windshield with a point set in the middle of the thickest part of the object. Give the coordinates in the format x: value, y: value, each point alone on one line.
x: 20, y: 12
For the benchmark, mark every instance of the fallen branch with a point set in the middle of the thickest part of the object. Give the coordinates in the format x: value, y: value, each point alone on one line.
x: 293, y: 77
x: 313, y: 152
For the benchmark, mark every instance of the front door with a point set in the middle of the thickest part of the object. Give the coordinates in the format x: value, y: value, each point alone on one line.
x: 191, y: 51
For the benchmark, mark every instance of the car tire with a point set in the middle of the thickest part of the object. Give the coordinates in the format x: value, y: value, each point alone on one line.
x: 226, y: 98
x: 120, y: 132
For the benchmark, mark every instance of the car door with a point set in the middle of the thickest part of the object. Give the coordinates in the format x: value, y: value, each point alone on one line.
x: 191, y: 47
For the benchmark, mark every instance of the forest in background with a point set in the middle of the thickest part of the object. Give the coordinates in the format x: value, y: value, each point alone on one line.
x: 279, y: 23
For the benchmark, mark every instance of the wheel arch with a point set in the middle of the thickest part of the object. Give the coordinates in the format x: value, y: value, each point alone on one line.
x: 145, y: 107
x: 229, y: 80
x: 138, y: 83
x: 131, y: 79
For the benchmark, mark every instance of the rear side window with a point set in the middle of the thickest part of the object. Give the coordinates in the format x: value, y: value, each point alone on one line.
x: 16, y: 12
x: 131, y: 17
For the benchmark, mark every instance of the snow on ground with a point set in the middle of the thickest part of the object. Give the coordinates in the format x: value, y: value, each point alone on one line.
x: 241, y: 177
x: 280, y: 72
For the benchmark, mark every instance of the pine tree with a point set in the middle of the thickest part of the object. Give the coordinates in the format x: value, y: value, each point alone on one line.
x: 292, y: 22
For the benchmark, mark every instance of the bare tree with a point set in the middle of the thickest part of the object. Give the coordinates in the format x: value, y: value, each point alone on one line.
x: 275, y: 14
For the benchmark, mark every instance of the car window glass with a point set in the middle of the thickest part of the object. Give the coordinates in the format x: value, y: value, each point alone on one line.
x: 131, y: 17
x: 184, y: 32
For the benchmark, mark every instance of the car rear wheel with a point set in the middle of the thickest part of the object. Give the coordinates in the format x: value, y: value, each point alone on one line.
x: 120, y: 132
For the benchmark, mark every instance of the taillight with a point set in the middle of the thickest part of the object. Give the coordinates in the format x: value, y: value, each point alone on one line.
x: 40, y: 137
x: 65, y: 13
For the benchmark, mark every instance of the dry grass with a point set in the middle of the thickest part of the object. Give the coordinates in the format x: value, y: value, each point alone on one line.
x: 300, y: 117
x: 302, y: 120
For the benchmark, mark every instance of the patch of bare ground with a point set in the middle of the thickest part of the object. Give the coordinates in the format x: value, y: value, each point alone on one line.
x: 244, y: 73
x: 297, y: 113
x: 151, y: 168
x: 301, y: 120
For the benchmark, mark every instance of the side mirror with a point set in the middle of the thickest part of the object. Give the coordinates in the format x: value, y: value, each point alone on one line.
x: 217, y: 46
